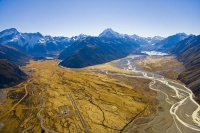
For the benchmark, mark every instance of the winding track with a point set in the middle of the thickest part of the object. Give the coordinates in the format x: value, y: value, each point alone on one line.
x: 42, y: 119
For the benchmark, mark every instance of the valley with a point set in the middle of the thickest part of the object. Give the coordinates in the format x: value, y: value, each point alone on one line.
x: 56, y: 99
x: 176, y: 112
x: 110, y: 83
x: 117, y: 96
x: 100, y: 66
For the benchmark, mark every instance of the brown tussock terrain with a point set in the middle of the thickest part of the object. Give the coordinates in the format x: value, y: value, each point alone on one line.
x: 106, y: 103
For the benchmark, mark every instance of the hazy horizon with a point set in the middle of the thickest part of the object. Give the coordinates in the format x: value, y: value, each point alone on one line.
x: 70, y: 18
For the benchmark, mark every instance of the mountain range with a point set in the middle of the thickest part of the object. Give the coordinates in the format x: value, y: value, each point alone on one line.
x: 36, y: 44
x: 69, y: 49
x: 78, y: 51
x: 110, y: 45
x: 109, y: 33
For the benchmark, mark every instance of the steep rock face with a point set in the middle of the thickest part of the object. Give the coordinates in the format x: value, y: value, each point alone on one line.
x: 94, y: 50
x: 13, y: 54
x: 188, y: 52
x: 10, y: 74
x: 170, y: 41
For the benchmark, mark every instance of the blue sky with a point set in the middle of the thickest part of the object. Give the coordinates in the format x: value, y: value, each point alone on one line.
x: 91, y: 17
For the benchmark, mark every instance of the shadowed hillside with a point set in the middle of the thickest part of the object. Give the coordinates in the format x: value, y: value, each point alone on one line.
x: 10, y: 74
x: 94, y: 50
x: 188, y: 52
x: 13, y: 54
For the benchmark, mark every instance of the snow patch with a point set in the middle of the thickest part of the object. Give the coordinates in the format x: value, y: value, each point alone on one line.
x: 154, y: 53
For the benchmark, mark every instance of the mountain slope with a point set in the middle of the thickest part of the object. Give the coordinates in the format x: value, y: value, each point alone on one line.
x: 10, y: 74
x: 94, y: 50
x: 71, y: 49
x: 13, y: 54
x: 171, y: 40
x: 188, y: 52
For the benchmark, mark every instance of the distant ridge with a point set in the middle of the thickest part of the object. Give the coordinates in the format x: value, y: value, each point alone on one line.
x: 109, y: 33
x: 170, y: 41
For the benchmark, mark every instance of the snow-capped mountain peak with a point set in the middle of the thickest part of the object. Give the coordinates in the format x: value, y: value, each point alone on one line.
x: 7, y: 32
x: 82, y: 36
x: 157, y: 38
x: 181, y: 34
x: 109, y: 33
x: 79, y: 37
x: 109, y: 30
